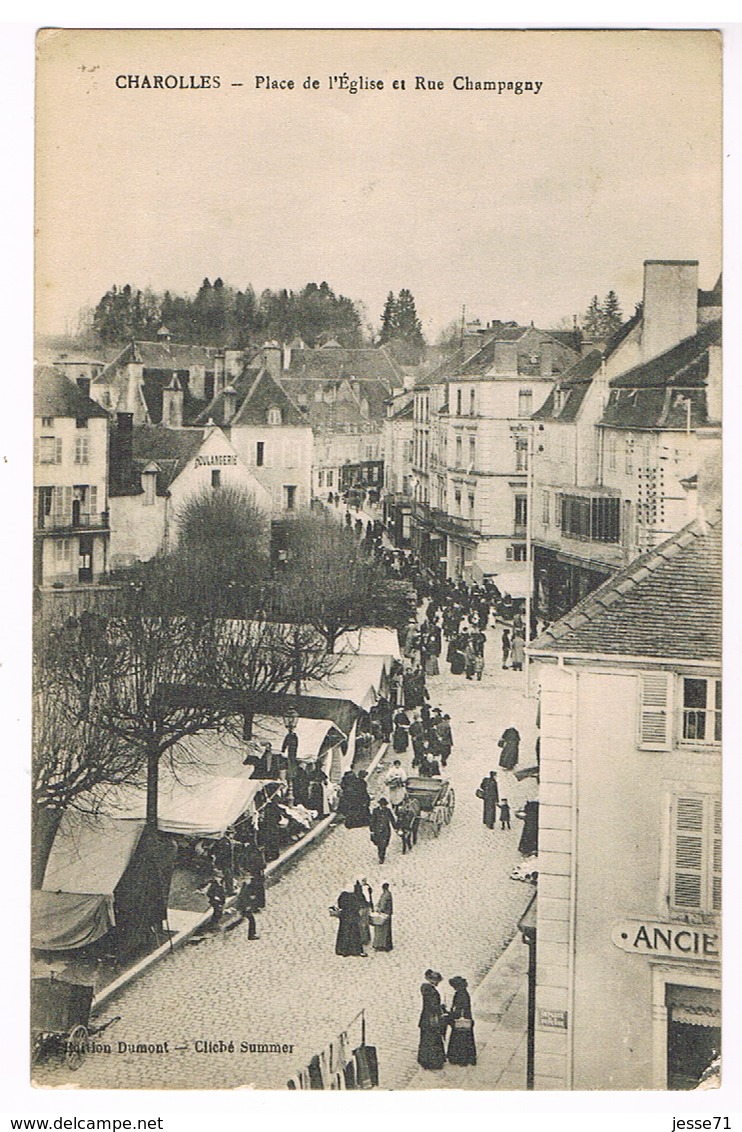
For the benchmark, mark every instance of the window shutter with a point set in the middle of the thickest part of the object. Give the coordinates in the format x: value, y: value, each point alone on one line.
x: 67, y: 508
x: 93, y: 500
x: 58, y: 450
x: 688, y: 873
x: 655, y: 711
x: 716, y: 851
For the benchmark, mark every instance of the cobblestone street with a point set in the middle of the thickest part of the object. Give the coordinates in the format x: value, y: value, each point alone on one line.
x: 455, y: 909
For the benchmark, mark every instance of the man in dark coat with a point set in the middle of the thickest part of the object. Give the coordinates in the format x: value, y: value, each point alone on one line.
x: 490, y: 795
x: 382, y: 823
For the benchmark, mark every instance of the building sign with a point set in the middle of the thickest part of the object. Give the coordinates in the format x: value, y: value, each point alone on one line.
x: 552, y: 1019
x: 676, y: 941
x: 206, y: 461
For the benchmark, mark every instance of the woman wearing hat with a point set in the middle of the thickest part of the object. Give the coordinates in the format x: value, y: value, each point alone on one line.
x: 461, y: 1047
x: 431, y: 1053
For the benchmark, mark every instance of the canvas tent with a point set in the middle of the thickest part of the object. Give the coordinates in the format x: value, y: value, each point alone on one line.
x: 369, y: 641
x: 75, y: 905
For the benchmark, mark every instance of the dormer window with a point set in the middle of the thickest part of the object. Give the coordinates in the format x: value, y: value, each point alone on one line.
x: 274, y: 415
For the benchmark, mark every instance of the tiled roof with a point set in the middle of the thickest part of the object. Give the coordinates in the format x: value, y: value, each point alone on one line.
x: 335, y: 363
x: 173, y: 355
x: 266, y: 393
x: 170, y: 448
x: 684, y: 364
x: 656, y: 407
x: 56, y: 396
x: 574, y: 384
x: 665, y: 604
x: 480, y: 364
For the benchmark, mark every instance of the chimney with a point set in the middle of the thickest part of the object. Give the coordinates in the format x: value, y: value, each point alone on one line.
x: 506, y: 357
x: 122, y: 449
x: 220, y: 368
x: 172, y: 405
x: 670, y: 303
x: 272, y: 358
x: 230, y: 403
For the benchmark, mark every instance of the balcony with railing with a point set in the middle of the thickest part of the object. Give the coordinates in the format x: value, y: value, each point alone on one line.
x: 439, y: 520
x: 72, y: 522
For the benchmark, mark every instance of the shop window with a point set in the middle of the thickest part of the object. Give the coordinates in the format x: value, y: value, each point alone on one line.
x: 701, y: 722
x: 655, y: 711
x: 695, y: 883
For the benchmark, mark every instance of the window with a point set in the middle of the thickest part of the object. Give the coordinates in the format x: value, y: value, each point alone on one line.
x: 472, y: 402
x: 82, y: 450
x: 591, y: 519
x: 320, y: 478
x: 629, y: 453
x: 655, y: 711
x: 521, y: 454
x: 701, y: 710
x: 472, y: 453
x: 274, y: 415
x: 47, y: 422
x: 611, y: 446
x: 289, y: 497
x: 695, y: 883
x: 81, y: 422
x: 50, y: 450
x: 521, y: 511
x: 458, y: 402
x: 216, y: 477
x: 329, y: 478
x: 457, y: 500
x: 62, y: 551
x: 525, y: 402
x: 545, y: 508
x: 516, y: 552
x: 471, y: 504
x: 149, y: 482
x: 459, y: 456
x: 260, y: 453
x: 45, y: 497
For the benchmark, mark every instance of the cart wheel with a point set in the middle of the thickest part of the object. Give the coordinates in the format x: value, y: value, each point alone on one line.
x: 37, y: 1048
x: 75, y: 1047
x: 438, y: 822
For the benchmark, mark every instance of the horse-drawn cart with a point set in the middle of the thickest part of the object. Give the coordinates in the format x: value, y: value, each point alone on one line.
x: 60, y: 1020
x: 436, y: 799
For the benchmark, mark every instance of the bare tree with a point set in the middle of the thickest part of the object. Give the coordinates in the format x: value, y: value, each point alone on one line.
x: 333, y: 584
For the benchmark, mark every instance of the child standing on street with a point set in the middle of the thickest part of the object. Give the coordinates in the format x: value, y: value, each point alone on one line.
x: 504, y: 814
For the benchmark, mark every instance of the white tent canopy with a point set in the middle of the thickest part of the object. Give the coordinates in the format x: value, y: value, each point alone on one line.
x: 370, y: 641
x: 359, y: 679
x: 311, y: 734
x: 90, y: 854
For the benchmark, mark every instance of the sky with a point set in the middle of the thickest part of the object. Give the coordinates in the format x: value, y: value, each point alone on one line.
x: 512, y: 206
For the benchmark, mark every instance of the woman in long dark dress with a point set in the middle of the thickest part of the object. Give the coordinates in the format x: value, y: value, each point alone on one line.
x: 528, y: 844
x: 431, y: 1053
x: 509, y: 744
x: 462, y: 1049
x: 348, y: 940
x: 490, y: 794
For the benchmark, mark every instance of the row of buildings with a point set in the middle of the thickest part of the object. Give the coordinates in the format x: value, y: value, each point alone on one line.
x: 120, y: 445
x: 587, y: 450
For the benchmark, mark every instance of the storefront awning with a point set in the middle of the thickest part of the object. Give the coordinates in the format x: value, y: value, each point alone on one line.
x: 694, y: 1006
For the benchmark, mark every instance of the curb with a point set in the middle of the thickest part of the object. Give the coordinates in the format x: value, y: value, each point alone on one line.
x: 271, y: 871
